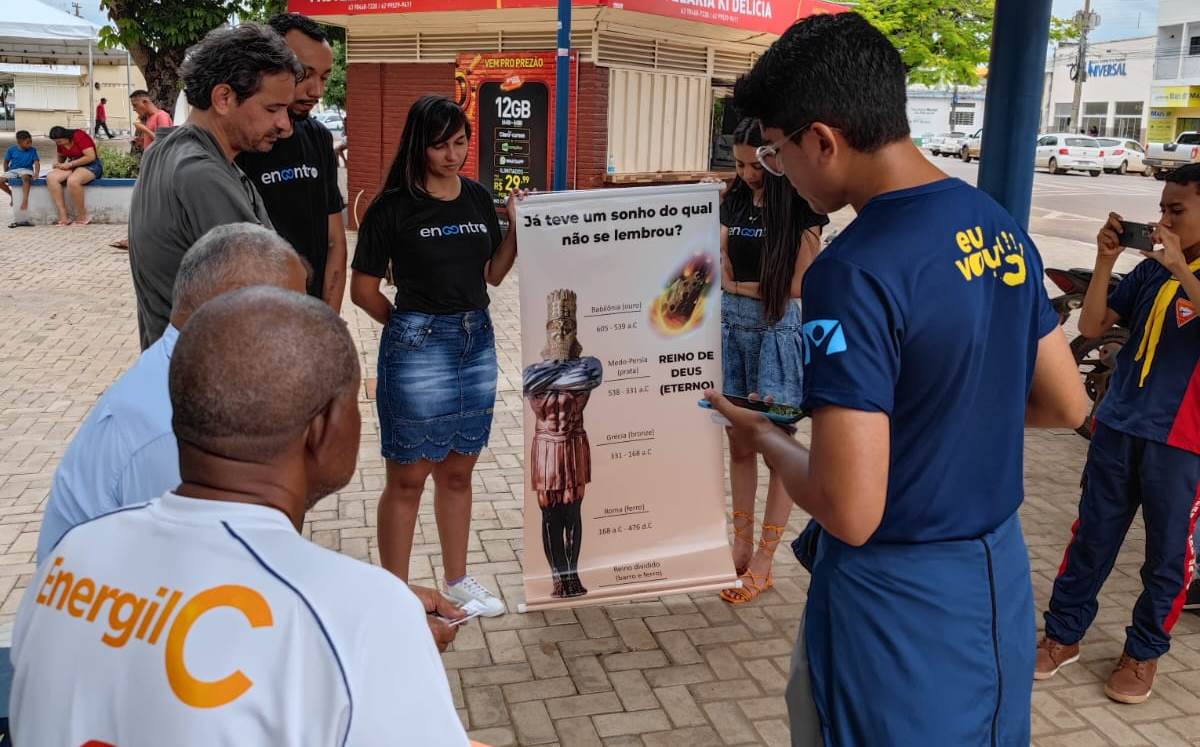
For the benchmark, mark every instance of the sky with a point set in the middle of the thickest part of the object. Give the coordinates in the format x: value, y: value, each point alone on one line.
x: 1119, y: 19
x: 89, y: 9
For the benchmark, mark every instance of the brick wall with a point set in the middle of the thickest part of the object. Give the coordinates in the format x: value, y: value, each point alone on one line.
x: 378, y: 97
x: 591, y: 140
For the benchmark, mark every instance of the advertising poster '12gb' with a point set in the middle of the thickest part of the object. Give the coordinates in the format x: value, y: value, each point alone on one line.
x: 620, y: 336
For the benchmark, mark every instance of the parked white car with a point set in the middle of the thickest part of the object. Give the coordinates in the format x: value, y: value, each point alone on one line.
x: 1061, y: 152
x: 953, y: 143
x: 1123, y: 155
x: 933, y: 143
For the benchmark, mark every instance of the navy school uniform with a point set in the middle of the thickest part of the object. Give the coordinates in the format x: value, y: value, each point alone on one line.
x: 1145, y: 452
x: 929, y: 308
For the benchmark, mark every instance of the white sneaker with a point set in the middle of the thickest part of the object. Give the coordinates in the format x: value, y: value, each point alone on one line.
x: 469, y: 590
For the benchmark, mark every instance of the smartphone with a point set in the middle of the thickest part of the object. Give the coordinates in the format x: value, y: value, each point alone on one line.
x: 778, y: 414
x: 1137, y: 235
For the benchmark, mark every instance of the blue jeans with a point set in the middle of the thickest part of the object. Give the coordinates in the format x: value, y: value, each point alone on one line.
x: 437, y: 385
x: 758, y: 356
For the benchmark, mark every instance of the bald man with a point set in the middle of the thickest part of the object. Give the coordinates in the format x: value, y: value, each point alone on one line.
x: 205, y: 615
x: 124, y: 453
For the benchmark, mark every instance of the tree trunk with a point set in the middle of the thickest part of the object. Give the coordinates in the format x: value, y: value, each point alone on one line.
x: 161, y: 71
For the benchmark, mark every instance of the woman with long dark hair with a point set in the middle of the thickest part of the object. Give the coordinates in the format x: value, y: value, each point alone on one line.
x: 78, y: 164
x: 437, y: 357
x: 761, y: 275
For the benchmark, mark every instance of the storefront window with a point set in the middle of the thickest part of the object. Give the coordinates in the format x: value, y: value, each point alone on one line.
x: 1127, y: 120
x: 1095, y: 116
x: 1062, y: 117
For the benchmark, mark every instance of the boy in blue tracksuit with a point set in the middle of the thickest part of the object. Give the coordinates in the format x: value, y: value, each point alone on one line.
x: 929, y: 344
x: 1146, y: 447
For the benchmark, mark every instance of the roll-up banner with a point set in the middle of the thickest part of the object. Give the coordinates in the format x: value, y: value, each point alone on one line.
x: 620, y: 333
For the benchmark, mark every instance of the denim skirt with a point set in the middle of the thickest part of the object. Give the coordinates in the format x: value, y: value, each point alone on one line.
x: 437, y: 385
x: 761, y: 357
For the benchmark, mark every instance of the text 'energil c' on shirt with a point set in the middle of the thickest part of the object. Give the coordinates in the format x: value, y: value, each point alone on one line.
x: 193, y: 622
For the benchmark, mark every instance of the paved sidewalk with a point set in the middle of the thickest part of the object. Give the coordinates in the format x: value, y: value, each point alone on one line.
x: 679, y: 671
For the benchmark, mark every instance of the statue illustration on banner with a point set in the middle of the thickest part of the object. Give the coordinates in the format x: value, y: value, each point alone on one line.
x: 560, y: 460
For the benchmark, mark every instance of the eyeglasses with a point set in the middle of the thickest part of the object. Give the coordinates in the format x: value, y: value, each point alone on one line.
x: 767, y: 154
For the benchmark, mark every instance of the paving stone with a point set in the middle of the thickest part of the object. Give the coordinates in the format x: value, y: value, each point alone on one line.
x: 702, y: 736
x: 640, y: 722
x: 631, y: 687
x: 583, y: 705
x: 533, y: 723
x: 680, y: 706
x: 577, y: 732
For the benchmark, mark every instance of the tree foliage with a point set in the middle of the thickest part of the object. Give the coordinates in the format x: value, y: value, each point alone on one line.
x: 945, y: 43
x: 157, y: 33
x: 335, y: 84
x: 941, y: 43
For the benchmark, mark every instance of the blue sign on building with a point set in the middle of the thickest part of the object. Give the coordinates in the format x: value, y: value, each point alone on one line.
x: 1106, y: 69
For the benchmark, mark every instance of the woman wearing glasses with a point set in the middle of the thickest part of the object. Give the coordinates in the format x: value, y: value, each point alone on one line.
x: 761, y: 274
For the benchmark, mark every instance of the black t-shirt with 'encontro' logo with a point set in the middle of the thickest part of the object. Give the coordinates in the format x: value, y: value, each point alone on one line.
x: 438, y: 248
x: 298, y: 183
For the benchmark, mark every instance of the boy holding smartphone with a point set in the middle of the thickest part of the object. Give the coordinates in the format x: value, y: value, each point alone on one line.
x: 1146, y: 446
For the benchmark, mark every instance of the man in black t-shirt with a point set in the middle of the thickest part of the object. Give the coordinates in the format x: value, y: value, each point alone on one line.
x: 298, y: 178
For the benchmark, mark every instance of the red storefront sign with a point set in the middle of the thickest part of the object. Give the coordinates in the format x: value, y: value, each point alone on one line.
x: 509, y: 99
x: 772, y: 16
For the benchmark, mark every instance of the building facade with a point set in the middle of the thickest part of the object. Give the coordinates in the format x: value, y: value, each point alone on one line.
x: 933, y: 111
x: 1116, y: 93
x: 649, y: 92
x: 50, y: 95
x: 1175, y: 98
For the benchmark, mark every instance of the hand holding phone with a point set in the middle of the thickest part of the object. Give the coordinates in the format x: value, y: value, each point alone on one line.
x: 1137, y: 235
x: 781, y: 415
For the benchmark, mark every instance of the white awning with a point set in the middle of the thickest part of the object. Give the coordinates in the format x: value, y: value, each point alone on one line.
x: 33, y: 33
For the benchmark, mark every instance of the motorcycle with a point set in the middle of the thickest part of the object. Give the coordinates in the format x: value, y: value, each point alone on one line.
x: 1095, y: 356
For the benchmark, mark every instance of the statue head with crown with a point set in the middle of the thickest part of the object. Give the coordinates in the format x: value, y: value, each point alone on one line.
x: 562, y: 342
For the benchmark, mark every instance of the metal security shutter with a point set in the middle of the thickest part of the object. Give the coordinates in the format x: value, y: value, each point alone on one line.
x: 444, y: 46
x: 648, y: 53
x: 658, y: 121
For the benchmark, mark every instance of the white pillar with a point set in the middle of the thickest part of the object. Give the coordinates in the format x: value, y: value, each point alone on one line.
x: 129, y: 90
x: 91, y: 117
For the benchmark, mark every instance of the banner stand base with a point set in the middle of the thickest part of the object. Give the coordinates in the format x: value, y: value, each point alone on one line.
x: 523, y: 608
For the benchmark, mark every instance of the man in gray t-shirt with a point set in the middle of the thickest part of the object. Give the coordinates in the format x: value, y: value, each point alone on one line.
x: 239, y: 82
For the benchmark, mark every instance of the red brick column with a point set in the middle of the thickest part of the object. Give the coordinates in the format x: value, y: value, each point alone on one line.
x: 591, y: 138
x: 378, y: 96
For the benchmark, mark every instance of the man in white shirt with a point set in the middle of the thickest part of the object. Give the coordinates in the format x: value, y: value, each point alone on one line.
x: 203, y: 617
x: 125, y: 452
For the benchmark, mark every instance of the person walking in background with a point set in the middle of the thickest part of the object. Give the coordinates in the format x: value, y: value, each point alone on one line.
x: 298, y: 178
x: 921, y: 375
x: 78, y: 164
x: 437, y: 356
x: 1145, y: 451
x: 760, y: 335
x: 240, y: 82
x: 150, y: 118
x: 102, y: 119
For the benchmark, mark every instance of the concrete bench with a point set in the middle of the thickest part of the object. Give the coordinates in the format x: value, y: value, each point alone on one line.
x: 107, y: 201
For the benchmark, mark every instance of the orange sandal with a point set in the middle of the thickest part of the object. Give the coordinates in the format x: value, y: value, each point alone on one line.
x: 752, y: 584
x: 743, y: 533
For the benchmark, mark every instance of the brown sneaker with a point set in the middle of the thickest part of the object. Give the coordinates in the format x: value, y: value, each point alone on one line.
x: 1132, y: 680
x: 1053, y: 656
